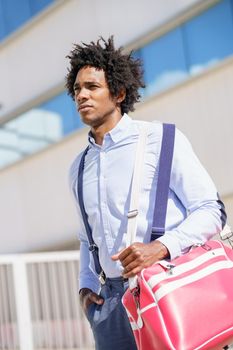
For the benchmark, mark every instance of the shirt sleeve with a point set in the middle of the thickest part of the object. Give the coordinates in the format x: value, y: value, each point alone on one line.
x: 88, y: 278
x: 196, y: 191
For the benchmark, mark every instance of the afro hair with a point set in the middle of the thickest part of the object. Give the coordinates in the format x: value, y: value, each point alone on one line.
x: 122, y: 71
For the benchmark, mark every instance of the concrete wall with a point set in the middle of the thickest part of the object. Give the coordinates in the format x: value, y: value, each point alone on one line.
x: 37, y: 210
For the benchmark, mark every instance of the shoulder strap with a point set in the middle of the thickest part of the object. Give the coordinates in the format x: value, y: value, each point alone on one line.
x: 165, y: 163
x: 92, y: 246
x: 136, y: 185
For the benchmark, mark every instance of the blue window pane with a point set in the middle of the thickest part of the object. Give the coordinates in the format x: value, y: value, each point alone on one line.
x: 38, y: 128
x: 77, y: 122
x: 137, y: 54
x: 15, y: 14
x: 209, y: 36
x: 2, y: 26
x: 63, y: 110
x: 39, y: 5
x: 164, y: 61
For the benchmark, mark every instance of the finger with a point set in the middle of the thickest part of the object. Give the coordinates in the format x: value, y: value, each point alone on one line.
x: 115, y: 257
x: 132, y: 265
x: 91, y: 298
x: 135, y: 257
x: 95, y: 298
x: 135, y: 250
x: 118, y: 255
x: 123, y: 254
x: 133, y: 272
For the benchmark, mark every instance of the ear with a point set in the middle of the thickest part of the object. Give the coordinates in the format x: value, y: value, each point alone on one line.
x: 121, y: 96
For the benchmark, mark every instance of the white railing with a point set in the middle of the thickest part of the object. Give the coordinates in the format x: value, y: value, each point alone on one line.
x: 39, y: 304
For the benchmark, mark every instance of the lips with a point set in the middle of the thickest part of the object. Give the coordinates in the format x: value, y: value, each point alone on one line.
x: 84, y: 107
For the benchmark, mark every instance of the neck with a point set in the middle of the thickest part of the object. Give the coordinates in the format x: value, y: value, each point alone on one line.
x: 99, y: 131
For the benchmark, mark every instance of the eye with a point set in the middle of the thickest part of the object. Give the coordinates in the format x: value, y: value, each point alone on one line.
x: 93, y: 86
x: 76, y: 90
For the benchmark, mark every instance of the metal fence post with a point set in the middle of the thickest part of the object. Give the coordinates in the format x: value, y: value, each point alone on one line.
x: 22, y: 304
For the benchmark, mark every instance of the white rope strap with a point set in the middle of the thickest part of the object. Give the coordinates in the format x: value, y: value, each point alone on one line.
x: 135, y: 192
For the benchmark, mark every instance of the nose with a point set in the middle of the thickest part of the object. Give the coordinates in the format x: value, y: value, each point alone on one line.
x: 81, y: 95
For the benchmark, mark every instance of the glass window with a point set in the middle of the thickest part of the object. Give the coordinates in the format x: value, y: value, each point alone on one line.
x: 209, y: 37
x: 164, y: 61
x: 64, y: 108
x: 38, y: 128
x: 39, y: 5
x: 2, y: 26
x: 15, y: 13
x: 137, y: 54
x: 9, y: 151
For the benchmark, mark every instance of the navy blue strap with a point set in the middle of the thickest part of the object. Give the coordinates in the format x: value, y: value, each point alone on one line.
x: 165, y: 163
x: 92, y: 246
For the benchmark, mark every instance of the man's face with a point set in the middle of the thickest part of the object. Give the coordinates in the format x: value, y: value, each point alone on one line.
x: 92, y: 97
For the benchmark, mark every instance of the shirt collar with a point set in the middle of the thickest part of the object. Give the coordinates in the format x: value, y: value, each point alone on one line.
x: 118, y: 132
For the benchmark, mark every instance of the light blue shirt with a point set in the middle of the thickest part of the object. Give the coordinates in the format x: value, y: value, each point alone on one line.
x: 193, y: 214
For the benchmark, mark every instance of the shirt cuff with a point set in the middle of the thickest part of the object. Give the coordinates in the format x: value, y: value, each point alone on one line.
x: 94, y: 285
x: 171, y: 243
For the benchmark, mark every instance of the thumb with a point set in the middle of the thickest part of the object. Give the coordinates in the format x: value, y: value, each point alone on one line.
x: 95, y: 298
x: 115, y: 257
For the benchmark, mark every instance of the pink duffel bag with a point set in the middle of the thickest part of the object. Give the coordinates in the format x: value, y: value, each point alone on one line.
x: 185, y: 304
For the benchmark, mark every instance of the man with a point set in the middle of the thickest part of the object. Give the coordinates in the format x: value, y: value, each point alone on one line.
x: 104, y: 83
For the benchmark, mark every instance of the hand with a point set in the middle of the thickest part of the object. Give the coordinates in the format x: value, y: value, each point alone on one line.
x: 140, y: 255
x: 87, y: 297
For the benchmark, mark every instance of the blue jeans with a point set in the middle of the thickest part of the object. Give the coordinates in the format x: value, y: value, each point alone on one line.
x: 109, y: 322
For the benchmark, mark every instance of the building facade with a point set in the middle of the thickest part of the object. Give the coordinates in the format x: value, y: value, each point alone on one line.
x: 186, y: 48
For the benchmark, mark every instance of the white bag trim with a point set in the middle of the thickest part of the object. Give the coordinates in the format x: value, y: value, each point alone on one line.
x: 172, y: 286
x: 184, y: 267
